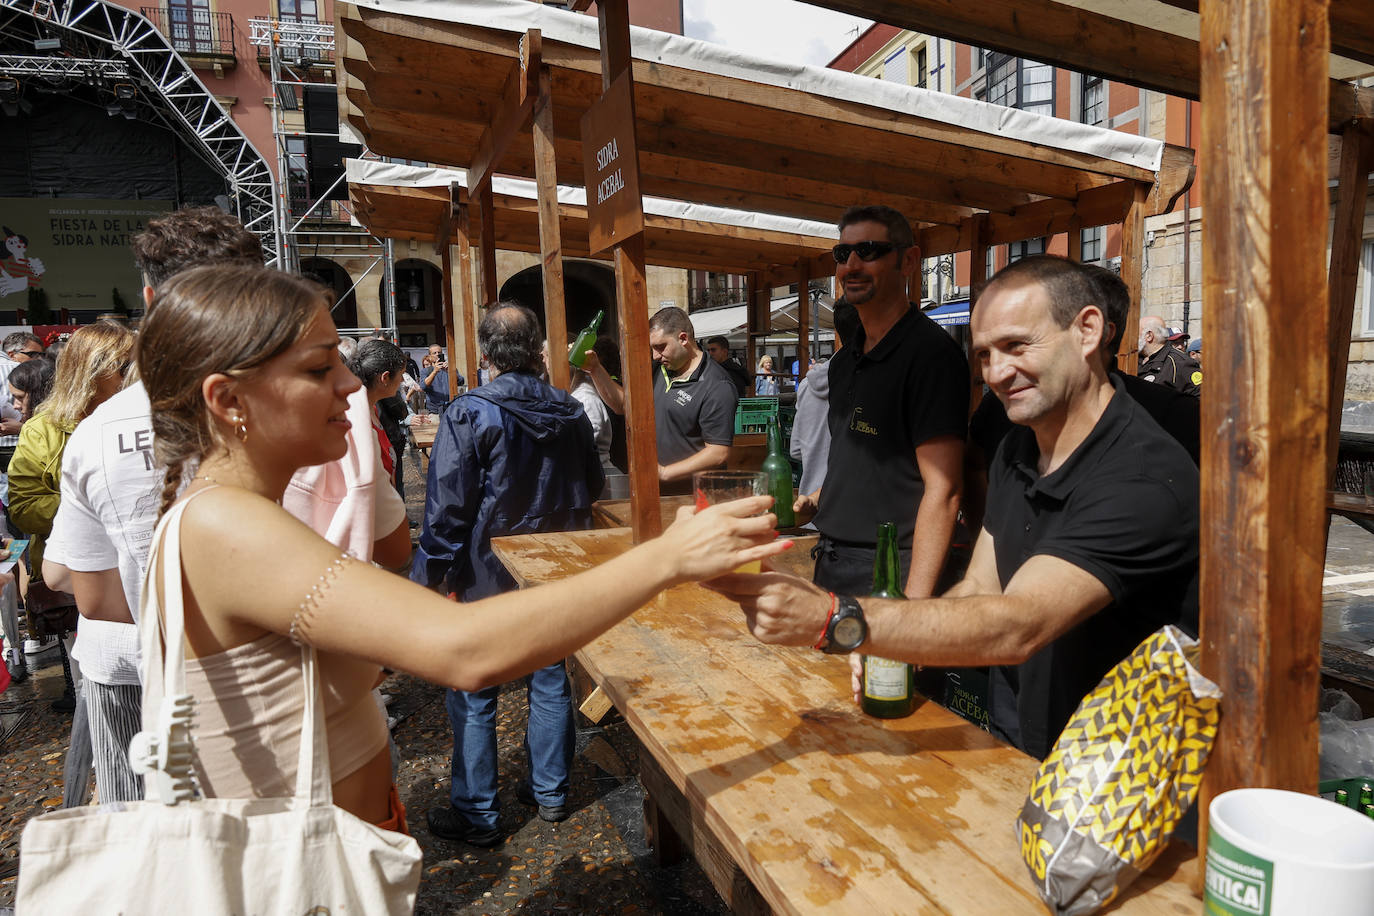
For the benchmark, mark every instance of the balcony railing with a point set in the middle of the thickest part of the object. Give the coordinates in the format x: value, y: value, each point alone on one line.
x: 195, y: 32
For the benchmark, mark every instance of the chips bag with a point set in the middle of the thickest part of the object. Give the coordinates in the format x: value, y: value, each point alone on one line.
x: 1125, y: 770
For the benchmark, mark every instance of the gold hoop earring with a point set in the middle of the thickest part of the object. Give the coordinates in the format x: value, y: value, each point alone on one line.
x: 240, y: 427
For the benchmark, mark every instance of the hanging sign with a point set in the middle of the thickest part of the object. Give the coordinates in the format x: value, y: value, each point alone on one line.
x: 610, y: 165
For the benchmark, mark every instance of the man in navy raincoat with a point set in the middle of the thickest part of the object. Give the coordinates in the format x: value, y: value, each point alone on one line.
x: 515, y: 456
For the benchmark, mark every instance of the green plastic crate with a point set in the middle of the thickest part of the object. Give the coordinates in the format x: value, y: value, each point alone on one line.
x: 752, y: 414
x: 1327, y: 790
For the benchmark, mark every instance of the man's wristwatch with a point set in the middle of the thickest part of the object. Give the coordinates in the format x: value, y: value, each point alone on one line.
x: 847, y: 628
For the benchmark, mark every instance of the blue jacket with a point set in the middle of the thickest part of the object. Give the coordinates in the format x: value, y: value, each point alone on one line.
x: 515, y: 456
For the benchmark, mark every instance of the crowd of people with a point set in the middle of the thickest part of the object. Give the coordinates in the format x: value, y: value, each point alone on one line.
x: 237, y: 407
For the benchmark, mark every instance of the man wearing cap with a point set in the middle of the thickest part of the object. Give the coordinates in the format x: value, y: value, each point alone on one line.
x: 1162, y: 363
x: 1195, y: 351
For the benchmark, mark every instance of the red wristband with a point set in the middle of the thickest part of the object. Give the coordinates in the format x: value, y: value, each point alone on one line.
x: 825, y: 629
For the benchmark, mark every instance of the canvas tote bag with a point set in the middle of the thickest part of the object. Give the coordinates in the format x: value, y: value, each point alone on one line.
x: 236, y: 857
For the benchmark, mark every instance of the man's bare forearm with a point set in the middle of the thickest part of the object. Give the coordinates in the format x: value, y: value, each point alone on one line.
x: 930, y: 544
x: 712, y: 456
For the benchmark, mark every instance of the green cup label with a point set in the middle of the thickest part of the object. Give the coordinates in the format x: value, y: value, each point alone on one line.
x: 1238, y: 883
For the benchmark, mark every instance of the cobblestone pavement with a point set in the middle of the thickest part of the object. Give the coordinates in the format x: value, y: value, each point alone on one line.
x: 595, y: 862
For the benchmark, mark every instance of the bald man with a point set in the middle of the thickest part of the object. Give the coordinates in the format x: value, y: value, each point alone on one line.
x: 1162, y: 363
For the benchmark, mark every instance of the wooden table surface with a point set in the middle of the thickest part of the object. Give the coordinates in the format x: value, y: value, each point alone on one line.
x: 824, y: 809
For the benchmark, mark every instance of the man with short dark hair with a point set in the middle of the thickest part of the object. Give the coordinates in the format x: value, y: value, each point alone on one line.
x: 513, y: 456
x: 1090, y: 542
x: 719, y: 349
x: 898, y: 413
x: 694, y: 403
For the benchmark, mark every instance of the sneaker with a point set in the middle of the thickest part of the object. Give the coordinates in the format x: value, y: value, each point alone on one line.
x: 19, y: 671
x: 551, y: 813
x: 39, y: 646
x: 448, y: 824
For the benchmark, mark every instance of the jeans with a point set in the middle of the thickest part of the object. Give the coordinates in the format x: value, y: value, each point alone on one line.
x: 548, y: 745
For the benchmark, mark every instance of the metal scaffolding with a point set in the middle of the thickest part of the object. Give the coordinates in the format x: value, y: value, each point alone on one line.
x: 172, y: 88
x: 293, y: 46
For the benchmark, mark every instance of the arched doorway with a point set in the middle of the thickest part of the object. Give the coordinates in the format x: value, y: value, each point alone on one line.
x: 325, y: 271
x: 419, y: 302
x: 588, y: 286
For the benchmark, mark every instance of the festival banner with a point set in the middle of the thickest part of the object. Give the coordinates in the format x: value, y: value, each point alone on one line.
x: 75, y: 251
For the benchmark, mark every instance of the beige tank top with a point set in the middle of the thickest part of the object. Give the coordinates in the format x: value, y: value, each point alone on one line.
x: 249, y: 703
x: 247, y: 727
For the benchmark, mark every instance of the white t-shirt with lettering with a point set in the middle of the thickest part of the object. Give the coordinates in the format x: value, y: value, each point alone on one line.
x: 110, y: 493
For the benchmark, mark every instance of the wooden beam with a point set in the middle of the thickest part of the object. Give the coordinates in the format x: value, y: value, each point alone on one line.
x: 1132, y: 271
x: 1352, y: 26
x: 550, y: 236
x: 977, y: 233
x: 756, y: 318
x: 513, y: 114
x: 446, y: 267
x: 487, y: 286
x: 632, y: 296
x: 1352, y: 193
x: 462, y: 230
x: 1066, y: 36
x: 1264, y: 413
x: 803, y: 316
x: 1075, y: 239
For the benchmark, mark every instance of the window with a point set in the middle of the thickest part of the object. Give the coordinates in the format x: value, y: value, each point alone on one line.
x: 1094, y: 101
x: 896, y: 69
x: 190, y: 22
x: 1018, y: 83
x: 1092, y: 244
x: 708, y: 289
x: 1018, y: 250
x: 922, y: 73
x: 301, y: 10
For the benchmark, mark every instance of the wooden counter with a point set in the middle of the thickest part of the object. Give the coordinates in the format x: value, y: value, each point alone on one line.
x: 791, y: 799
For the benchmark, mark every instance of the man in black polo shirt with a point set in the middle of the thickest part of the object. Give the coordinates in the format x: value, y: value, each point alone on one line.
x: 898, y: 412
x: 718, y: 348
x: 694, y: 403
x: 1090, y: 538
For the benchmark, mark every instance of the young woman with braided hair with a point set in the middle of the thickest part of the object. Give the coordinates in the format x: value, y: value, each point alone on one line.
x: 241, y: 365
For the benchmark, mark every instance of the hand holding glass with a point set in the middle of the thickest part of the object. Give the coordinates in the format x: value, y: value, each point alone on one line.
x: 712, y: 487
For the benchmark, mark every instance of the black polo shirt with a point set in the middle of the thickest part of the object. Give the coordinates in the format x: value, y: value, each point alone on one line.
x: 693, y: 411
x: 910, y: 388
x: 1123, y: 508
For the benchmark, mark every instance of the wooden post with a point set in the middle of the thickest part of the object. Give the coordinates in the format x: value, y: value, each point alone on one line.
x: 753, y: 282
x: 977, y: 227
x: 488, y: 288
x: 550, y: 236
x: 1132, y: 267
x: 803, y: 316
x: 1346, y: 235
x: 632, y: 297
x: 1264, y: 410
x: 446, y: 259
x: 462, y: 228
x: 1075, y: 238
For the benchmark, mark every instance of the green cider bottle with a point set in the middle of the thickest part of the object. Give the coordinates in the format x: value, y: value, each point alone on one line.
x: 779, y: 472
x: 577, y: 353
x: 889, y: 686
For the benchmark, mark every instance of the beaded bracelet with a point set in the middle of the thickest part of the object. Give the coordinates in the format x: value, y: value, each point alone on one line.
x: 305, y: 614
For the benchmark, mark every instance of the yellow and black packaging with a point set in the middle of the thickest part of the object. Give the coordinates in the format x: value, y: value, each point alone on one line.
x: 1125, y: 770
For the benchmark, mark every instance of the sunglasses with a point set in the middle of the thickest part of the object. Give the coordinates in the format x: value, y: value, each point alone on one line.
x: 867, y: 251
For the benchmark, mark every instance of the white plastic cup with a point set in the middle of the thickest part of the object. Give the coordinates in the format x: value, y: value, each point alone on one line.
x: 1277, y: 853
